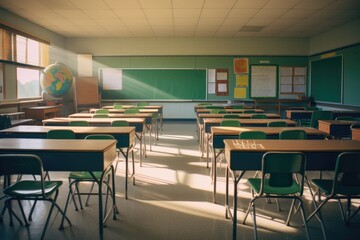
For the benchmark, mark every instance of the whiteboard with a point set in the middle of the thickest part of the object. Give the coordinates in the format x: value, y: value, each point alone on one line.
x: 263, y: 81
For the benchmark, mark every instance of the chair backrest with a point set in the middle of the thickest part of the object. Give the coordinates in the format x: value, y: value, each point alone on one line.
x: 5, y: 122
x: 204, y: 104
x: 277, y: 124
x: 60, y: 134
x: 79, y: 123
x: 355, y: 125
x: 252, y: 135
x: 120, y: 123
x: 259, y: 116
x: 230, y: 123
x: 20, y: 164
x: 100, y: 116
x: 231, y: 116
x: 238, y: 107
x: 118, y: 107
x: 99, y: 136
x: 320, y: 115
x: 346, y: 118
x: 347, y: 174
x: 293, y: 134
x: 102, y: 111
x: 142, y: 104
x: 213, y: 107
x: 280, y: 168
x: 215, y: 111
x: 313, y: 108
x: 131, y: 111
x: 249, y: 111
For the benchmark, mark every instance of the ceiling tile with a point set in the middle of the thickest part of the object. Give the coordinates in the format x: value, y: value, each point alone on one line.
x: 282, y: 4
x: 311, y: 4
x: 129, y: 13
x: 250, y: 4
x: 69, y: 14
x: 298, y: 13
x: 186, y: 13
x: 270, y: 13
x: 187, y: 4
x: 166, y: 13
x: 159, y: 4
x: 122, y: 4
x: 100, y: 13
x: 243, y: 13
x: 59, y: 5
x: 93, y: 4
x: 219, y: 4
x: 218, y: 13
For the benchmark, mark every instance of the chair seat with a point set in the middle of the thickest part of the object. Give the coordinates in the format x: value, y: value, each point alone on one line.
x: 84, y: 176
x: 256, y: 183
x: 32, y: 188
x: 325, y: 185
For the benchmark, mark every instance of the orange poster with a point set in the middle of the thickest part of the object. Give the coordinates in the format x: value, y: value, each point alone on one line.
x: 241, y: 65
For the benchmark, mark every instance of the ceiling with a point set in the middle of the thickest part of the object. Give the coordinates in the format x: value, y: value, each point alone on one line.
x: 186, y: 18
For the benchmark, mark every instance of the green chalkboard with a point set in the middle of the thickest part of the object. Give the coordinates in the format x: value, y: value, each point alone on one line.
x: 160, y: 84
x: 326, y: 79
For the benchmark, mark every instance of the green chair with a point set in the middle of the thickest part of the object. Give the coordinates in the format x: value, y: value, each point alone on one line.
x: 79, y: 123
x: 345, y: 184
x: 131, y: 111
x: 293, y: 134
x: 252, y: 135
x: 259, y: 116
x: 213, y: 107
x: 120, y: 123
x: 204, y: 104
x: 346, y: 118
x: 238, y: 107
x: 249, y: 111
x: 277, y: 181
x: 76, y: 177
x: 230, y: 123
x: 60, y: 134
x: 320, y: 115
x: 215, y: 111
x: 236, y: 116
x: 29, y: 190
x: 102, y: 111
x: 100, y: 116
x: 118, y: 107
x: 142, y: 104
x: 277, y: 124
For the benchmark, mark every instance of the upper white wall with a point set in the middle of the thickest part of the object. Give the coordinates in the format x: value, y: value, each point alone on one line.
x: 342, y: 36
x: 189, y: 46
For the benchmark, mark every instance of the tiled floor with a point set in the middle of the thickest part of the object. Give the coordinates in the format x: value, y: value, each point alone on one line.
x: 172, y: 199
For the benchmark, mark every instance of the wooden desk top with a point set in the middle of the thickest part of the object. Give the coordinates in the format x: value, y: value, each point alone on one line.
x: 266, y: 130
x: 111, y: 110
x: 112, y: 115
x: 249, y: 121
x: 338, y: 122
x: 241, y: 115
x: 204, y: 110
x: 83, y: 130
x: 133, y: 106
x: 292, y: 145
x: 65, y: 155
x: 43, y: 107
x: 93, y: 120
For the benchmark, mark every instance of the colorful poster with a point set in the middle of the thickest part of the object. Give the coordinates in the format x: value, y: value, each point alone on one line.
x: 240, y: 92
x: 242, y: 80
x: 241, y: 65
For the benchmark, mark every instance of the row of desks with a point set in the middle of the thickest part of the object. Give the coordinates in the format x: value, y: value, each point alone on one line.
x: 69, y: 155
x: 242, y: 157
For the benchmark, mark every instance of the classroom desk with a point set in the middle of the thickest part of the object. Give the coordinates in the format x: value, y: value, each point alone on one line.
x: 138, y: 123
x: 306, y: 114
x: 355, y: 134
x: 125, y: 137
x: 219, y: 134
x: 112, y: 110
x: 246, y: 155
x: 229, y: 110
x: 70, y: 155
x: 148, y: 119
x: 42, y: 112
x: 337, y: 128
x: 212, y: 122
x: 159, y: 109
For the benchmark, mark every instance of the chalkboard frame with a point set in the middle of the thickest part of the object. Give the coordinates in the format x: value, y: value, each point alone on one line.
x: 173, y: 92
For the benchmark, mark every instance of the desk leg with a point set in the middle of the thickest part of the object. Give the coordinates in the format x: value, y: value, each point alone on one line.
x: 228, y: 213
x: 127, y: 178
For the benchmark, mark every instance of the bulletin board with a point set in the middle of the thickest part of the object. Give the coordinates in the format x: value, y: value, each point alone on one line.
x: 263, y: 81
x: 86, y: 91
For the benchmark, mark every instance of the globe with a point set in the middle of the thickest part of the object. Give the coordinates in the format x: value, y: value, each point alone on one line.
x: 56, y: 79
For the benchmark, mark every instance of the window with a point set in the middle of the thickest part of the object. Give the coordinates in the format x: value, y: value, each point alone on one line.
x: 28, y: 82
